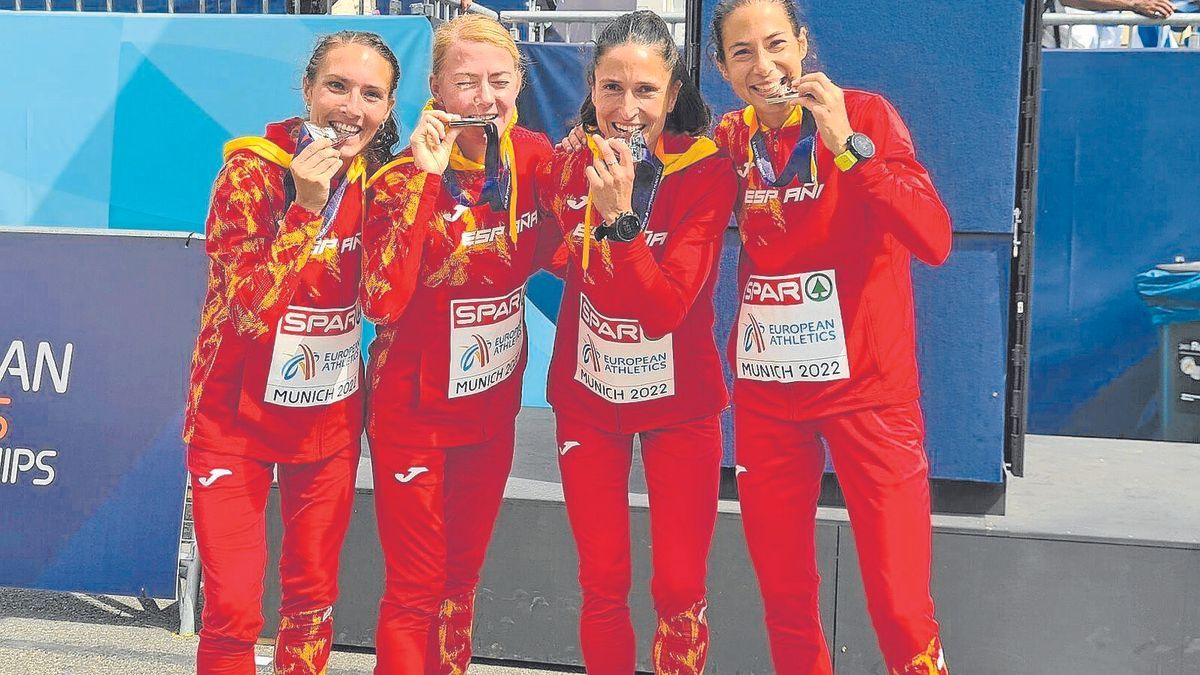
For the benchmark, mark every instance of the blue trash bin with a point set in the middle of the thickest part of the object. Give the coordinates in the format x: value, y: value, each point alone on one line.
x: 1172, y: 293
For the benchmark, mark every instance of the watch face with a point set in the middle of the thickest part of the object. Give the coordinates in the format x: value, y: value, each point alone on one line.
x: 627, y: 227
x: 862, y: 146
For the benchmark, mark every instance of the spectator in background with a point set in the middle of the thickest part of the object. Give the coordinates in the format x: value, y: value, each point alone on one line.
x: 1104, y: 37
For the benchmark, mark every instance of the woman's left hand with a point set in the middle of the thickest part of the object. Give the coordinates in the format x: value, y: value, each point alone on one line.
x: 827, y: 103
x: 610, y: 178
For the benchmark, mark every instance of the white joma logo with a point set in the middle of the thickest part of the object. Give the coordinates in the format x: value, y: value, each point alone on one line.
x: 213, y: 476
x: 413, y: 472
x: 577, y: 203
x: 567, y: 445
x: 743, y: 170
x: 739, y: 470
x: 459, y: 210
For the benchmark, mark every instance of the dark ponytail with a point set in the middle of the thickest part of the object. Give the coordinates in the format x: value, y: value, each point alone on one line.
x: 691, y: 115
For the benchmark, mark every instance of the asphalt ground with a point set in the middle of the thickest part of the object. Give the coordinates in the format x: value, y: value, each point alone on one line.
x: 46, y: 633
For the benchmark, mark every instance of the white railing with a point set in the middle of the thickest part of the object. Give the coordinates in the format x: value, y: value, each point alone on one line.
x: 1188, y: 23
x: 574, y: 26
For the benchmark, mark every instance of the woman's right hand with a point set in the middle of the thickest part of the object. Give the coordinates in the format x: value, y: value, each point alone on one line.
x: 575, y: 140
x: 432, y: 141
x: 312, y: 171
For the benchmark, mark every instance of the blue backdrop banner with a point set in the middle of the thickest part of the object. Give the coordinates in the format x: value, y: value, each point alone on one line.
x: 124, y: 116
x: 93, y: 377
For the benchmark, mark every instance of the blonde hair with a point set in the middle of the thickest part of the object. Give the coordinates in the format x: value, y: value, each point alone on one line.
x: 473, y: 28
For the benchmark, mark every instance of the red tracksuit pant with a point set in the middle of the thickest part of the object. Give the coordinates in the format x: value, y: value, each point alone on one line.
x: 436, y: 509
x: 682, y: 465
x: 880, y: 460
x: 229, y: 497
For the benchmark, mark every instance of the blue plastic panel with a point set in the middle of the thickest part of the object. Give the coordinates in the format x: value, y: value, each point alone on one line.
x: 1117, y: 174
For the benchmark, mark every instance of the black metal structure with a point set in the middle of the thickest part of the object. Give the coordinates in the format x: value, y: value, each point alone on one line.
x: 1024, y: 214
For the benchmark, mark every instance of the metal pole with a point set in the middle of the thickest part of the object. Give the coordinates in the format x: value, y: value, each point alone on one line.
x: 233, y: 6
x: 1178, y: 20
x: 189, y: 595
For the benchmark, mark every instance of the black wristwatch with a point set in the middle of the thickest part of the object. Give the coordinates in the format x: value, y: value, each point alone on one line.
x: 625, y: 228
x: 859, y: 148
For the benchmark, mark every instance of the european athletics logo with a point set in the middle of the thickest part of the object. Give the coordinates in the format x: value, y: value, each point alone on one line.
x: 754, y: 336
x: 476, y: 353
x: 304, y: 363
x: 591, y: 354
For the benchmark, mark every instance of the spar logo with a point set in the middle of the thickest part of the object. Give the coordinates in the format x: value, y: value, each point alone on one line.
x: 476, y: 354
x: 819, y: 287
x: 303, y: 363
x: 753, y: 337
x: 486, y: 312
x: 626, y: 331
x: 591, y: 356
x: 318, y: 322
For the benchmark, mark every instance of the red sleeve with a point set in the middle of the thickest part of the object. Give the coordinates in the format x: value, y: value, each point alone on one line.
x: 399, y: 207
x: 721, y: 133
x: 899, y: 187
x: 551, y: 252
x: 259, y: 258
x: 667, y: 289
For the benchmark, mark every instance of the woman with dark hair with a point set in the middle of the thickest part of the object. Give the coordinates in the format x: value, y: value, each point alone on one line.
x: 644, y: 207
x: 834, y: 205
x: 452, y: 237
x: 275, y: 384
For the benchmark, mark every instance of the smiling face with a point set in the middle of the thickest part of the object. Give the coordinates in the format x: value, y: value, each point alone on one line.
x: 351, y: 93
x: 477, y: 78
x: 761, y: 53
x: 633, y: 91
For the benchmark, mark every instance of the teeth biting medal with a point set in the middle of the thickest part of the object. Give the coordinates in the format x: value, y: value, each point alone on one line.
x: 474, y: 121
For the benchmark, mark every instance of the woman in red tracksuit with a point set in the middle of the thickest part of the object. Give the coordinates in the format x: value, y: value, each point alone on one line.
x: 451, y: 239
x: 276, y: 373
x: 634, y: 351
x: 833, y: 204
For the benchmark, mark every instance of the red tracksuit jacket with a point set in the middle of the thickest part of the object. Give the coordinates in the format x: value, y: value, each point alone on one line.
x: 276, y: 373
x: 826, y: 324
x: 446, y: 284
x: 634, y: 347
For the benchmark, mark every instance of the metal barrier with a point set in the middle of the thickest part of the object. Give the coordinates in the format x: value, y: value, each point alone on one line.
x: 533, y: 25
x: 536, y: 25
x: 1188, y: 22
x: 203, y: 6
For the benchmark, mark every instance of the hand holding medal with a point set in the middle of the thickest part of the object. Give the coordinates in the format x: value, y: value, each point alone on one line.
x: 313, y: 169
x: 610, y: 178
x: 816, y: 93
x: 432, y: 140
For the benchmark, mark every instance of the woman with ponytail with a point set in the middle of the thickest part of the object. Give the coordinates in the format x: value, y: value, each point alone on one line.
x: 275, y: 386
x: 452, y: 237
x: 834, y: 207
x: 644, y: 207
